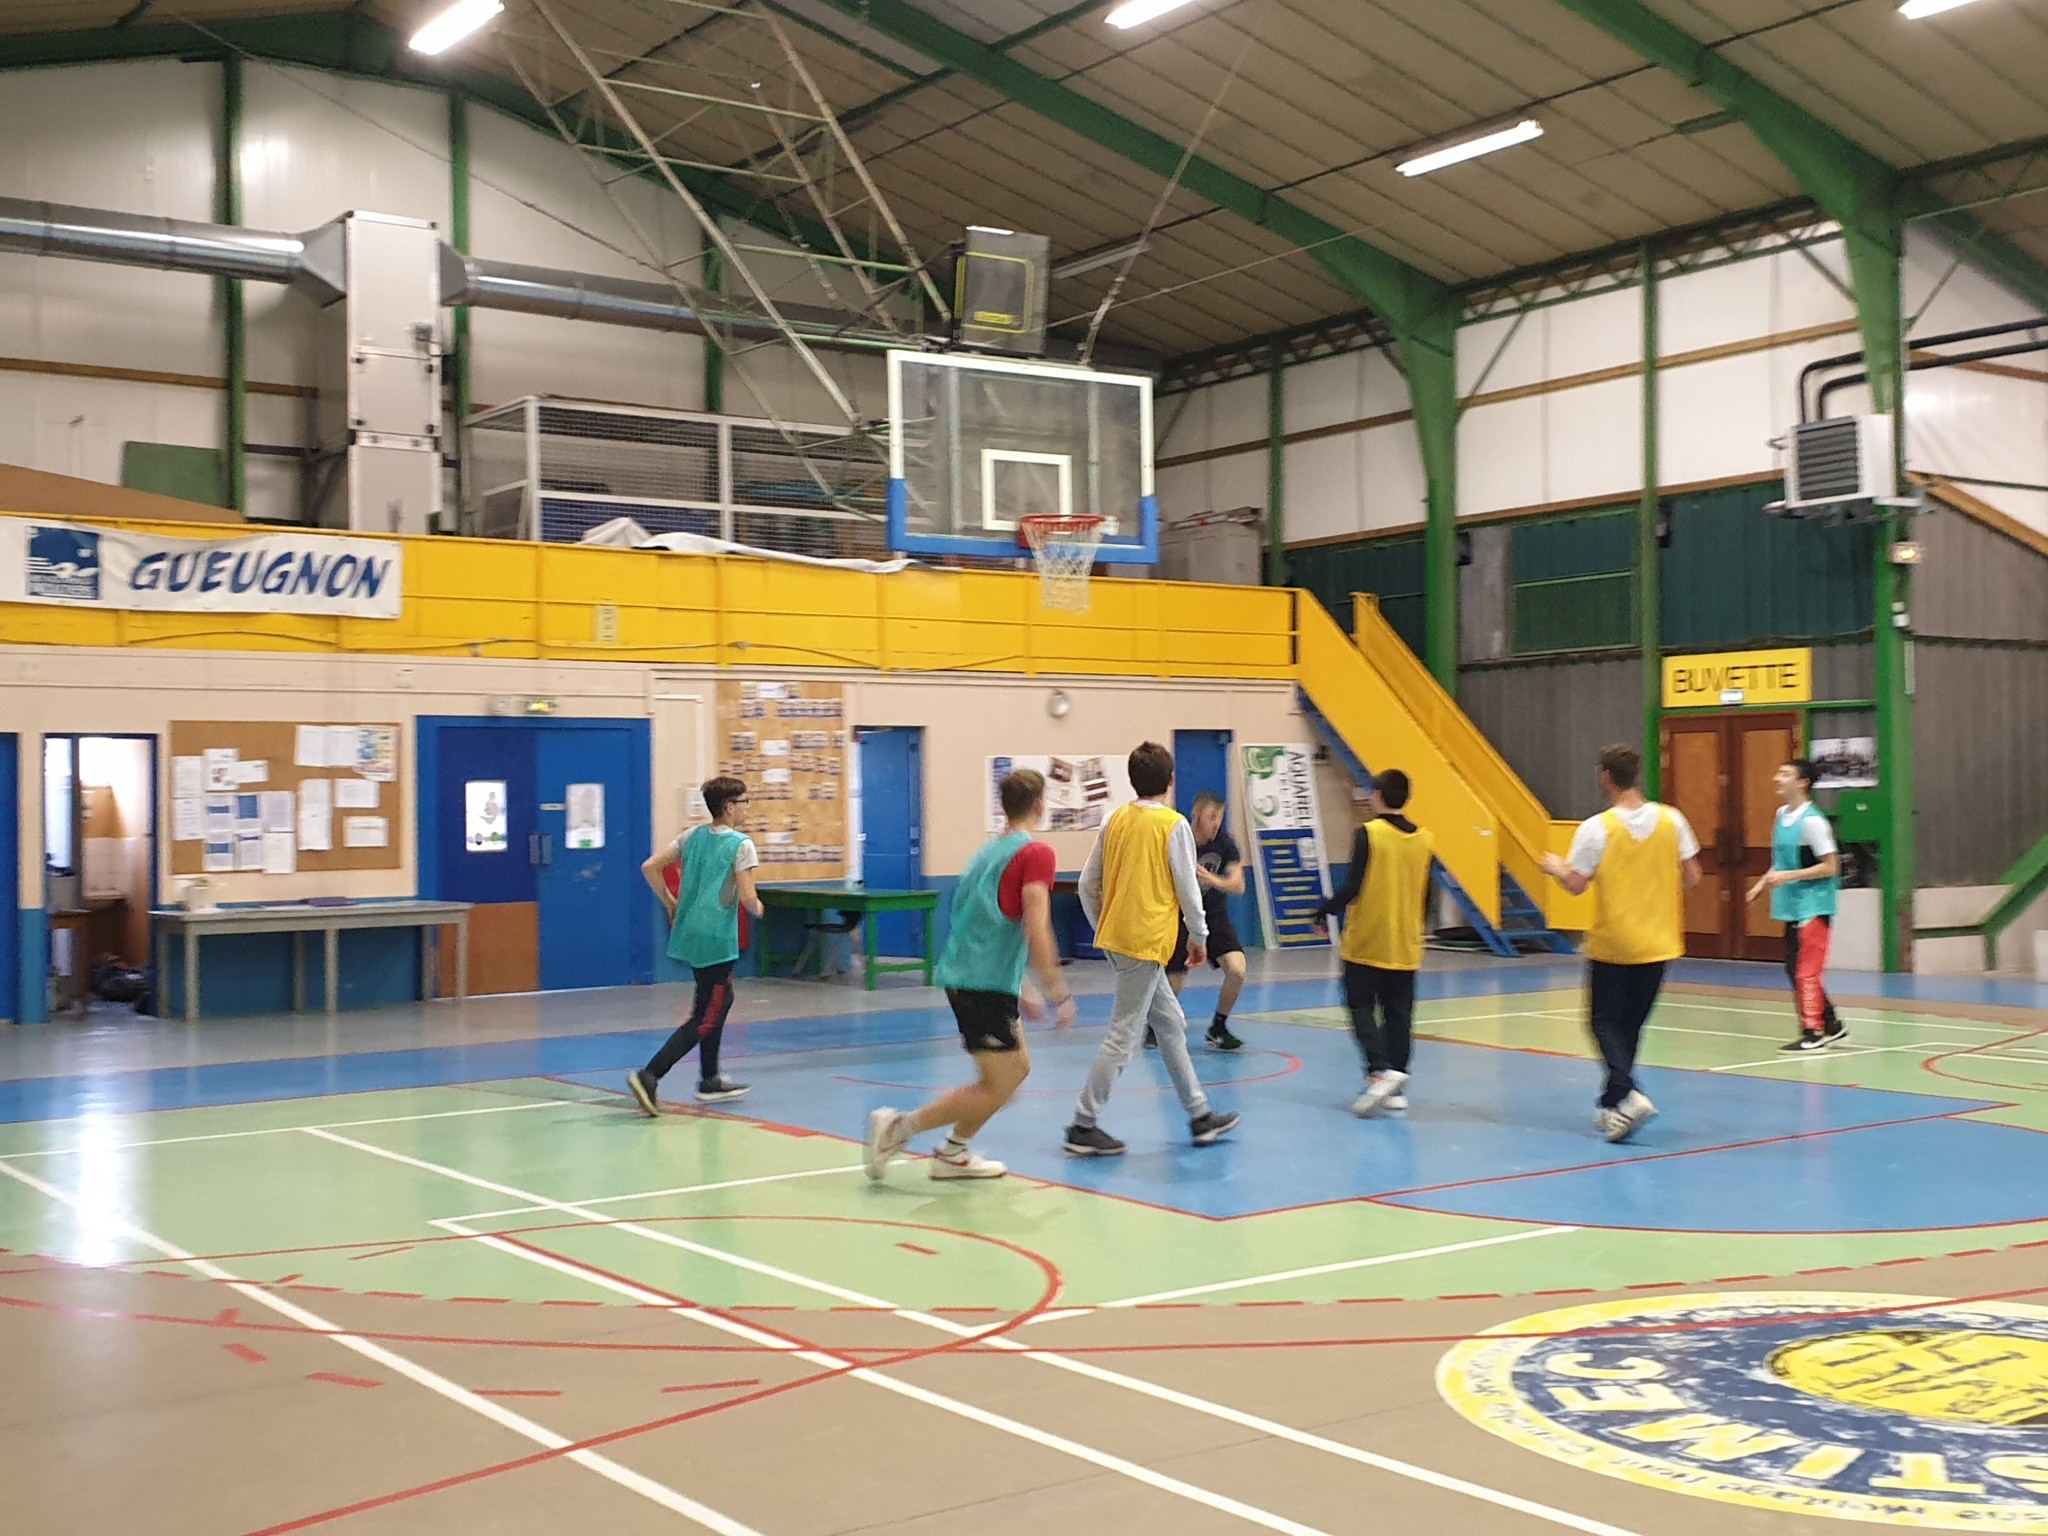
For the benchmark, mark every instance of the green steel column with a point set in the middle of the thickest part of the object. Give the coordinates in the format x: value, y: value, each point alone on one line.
x: 458, y: 236
x: 1876, y: 248
x: 1276, y: 473
x: 1649, y: 565
x: 1430, y: 354
x: 714, y: 354
x: 234, y: 321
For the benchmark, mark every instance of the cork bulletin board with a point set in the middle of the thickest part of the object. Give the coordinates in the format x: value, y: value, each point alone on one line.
x: 285, y: 797
x: 789, y: 741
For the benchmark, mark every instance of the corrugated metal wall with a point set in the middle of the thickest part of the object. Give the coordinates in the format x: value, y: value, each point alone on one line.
x: 1976, y: 584
x: 1980, y: 748
x: 1391, y: 568
x: 1550, y: 720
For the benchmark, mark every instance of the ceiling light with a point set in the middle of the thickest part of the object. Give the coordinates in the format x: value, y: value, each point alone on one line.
x: 1135, y: 13
x: 454, y: 24
x: 1913, y: 10
x: 1089, y: 261
x: 1467, y: 149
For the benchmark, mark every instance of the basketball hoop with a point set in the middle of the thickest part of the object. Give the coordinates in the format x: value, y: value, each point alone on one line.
x: 1063, y: 548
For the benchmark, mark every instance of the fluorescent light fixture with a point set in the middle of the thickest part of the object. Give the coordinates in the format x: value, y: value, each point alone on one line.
x: 454, y: 24
x: 1470, y: 149
x: 1135, y: 13
x: 1913, y: 10
x: 1089, y: 261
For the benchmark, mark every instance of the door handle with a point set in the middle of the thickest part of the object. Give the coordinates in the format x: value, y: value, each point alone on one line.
x: 547, y: 848
x: 533, y: 848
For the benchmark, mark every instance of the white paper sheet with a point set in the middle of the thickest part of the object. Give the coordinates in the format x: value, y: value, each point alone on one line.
x: 218, y: 819
x: 278, y: 810
x: 188, y: 777
x: 188, y: 819
x: 220, y: 769
x: 249, y: 851
x: 309, y: 749
x: 219, y: 857
x: 341, y: 745
x: 255, y: 771
x: 365, y: 832
x: 280, y: 856
x: 355, y: 795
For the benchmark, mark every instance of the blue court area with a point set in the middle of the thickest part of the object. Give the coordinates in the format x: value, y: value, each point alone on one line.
x: 1493, y: 1132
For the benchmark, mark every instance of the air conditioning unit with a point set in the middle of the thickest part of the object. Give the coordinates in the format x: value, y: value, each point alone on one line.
x: 1839, y: 462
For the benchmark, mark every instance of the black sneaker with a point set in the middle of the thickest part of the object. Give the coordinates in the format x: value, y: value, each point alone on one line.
x: 1212, y: 1127
x: 1221, y: 1039
x: 1151, y: 1039
x: 1807, y: 1042
x: 646, y: 1091
x: 1835, y: 1033
x: 1092, y: 1141
x: 717, y: 1090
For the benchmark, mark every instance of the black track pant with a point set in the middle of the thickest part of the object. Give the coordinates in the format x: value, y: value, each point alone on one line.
x: 1387, y: 1040
x: 704, y: 1027
x: 1621, y: 999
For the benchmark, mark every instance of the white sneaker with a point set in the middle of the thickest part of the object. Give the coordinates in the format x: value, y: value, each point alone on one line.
x: 888, y: 1131
x: 1397, y: 1103
x: 970, y: 1164
x: 1380, y: 1088
x: 1629, y: 1116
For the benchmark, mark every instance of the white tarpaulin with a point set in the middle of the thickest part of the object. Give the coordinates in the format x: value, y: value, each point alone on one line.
x: 74, y: 565
x: 624, y: 533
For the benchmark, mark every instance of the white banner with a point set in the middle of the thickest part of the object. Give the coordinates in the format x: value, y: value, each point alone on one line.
x: 1287, y: 856
x: 72, y: 565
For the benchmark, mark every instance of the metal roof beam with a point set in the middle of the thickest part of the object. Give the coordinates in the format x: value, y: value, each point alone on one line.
x: 354, y: 44
x: 1867, y: 195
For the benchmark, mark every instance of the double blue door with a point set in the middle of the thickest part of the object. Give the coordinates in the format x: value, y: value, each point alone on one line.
x: 544, y: 828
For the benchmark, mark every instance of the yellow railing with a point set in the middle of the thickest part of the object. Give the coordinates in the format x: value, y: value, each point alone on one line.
x: 1362, y: 707
x: 1524, y: 823
x: 489, y: 597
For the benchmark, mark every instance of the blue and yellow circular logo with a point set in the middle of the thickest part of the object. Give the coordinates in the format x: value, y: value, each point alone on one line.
x: 1899, y: 1410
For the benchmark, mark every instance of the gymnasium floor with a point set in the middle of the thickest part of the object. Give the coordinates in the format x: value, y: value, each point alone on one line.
x: 424, y: 1270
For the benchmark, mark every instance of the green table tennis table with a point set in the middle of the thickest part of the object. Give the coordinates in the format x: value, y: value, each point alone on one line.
x: 860, y: 901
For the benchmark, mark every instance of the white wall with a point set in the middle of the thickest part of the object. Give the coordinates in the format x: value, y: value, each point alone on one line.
x: 1554, y: 401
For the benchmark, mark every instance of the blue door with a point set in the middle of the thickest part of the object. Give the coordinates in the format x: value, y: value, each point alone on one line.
x: 892, y: 828
x: 557, y: 906
x: 10, y: 882
x: 590, y: 848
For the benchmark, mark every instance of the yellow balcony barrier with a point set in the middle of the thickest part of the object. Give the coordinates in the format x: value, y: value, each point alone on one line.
x: 1363, y: 708
x: 489, y: 597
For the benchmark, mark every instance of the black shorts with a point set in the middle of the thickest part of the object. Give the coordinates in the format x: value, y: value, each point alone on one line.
x: 1223, y: 940
x: 987, y: 1020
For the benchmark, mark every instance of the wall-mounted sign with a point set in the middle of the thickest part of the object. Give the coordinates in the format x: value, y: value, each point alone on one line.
x: 72, y: 565
x: 1731, y: 678
x: 585, y: 816
x: 484, y: 822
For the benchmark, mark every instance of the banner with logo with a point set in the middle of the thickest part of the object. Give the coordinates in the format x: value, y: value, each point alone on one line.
x: 72, y: 565
x: 1286, y: 826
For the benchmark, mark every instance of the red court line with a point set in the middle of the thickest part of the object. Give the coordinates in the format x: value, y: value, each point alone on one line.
x: 380, y: 1253
x: 385, y: 1500
x: 335, y: 1378
x: 517, y: 1391
x: 713, y: 1386
x: 244, y: 1352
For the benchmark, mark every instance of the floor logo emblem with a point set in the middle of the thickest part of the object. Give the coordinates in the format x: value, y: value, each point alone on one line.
x: 1899, y: 1410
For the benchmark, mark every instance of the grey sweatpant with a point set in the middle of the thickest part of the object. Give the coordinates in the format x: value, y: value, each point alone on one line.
x: 1142, y: 998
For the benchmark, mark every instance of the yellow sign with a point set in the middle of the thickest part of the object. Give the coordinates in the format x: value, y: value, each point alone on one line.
x: 1738, y: 677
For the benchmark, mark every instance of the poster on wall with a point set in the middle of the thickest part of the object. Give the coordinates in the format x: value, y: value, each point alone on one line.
x: 483, y: 817
x: 1278, y: 787
x: 788, y: 741
x: 1080, y: 792
x: 1845, y: 762
x: 585, y: 816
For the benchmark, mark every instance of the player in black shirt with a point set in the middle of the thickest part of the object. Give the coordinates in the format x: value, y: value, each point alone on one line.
x: 1220, y: 869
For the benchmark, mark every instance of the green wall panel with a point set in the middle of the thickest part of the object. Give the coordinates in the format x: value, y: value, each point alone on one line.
x: 1390, y: 568
x: 1734, y: 574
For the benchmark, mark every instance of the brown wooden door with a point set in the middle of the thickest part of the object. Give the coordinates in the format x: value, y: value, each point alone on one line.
x: 1717, y: 771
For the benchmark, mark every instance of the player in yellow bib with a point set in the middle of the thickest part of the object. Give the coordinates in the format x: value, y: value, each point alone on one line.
x: 1137, y: 887
x: 1385, y: 903
x: 1638, y: 858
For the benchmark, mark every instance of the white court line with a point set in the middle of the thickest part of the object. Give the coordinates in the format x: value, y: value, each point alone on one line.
x: 1853, y: 1015
x: 1786, y: 1058
x: 1088, y: 1453
x: 1269, y: 1427
x: 279, y: 1130
x: 1333, y: 1269
x: 646, y: 1194
x: 519, y: 1424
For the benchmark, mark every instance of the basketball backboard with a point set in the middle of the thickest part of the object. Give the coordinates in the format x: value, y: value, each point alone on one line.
x: 975, y: 443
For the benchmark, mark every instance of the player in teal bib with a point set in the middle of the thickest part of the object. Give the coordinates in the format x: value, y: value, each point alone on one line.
x: 716, y: 879
x: 1805, y: 874
x: 1001, y: 922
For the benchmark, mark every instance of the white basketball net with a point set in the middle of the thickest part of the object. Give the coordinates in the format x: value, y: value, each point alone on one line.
x: 1063, y: 548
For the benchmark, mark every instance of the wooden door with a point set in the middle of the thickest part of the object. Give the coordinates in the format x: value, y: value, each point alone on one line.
x: 1717, y: 771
